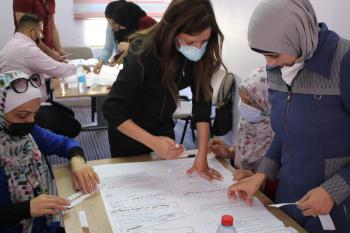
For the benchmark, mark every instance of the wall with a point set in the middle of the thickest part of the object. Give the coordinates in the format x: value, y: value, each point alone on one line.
x: 232, y: 15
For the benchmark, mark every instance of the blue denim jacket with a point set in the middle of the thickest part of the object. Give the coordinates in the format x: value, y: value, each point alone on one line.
x: 110, y: 45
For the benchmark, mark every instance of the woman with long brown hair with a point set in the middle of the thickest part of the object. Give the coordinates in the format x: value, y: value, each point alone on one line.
x: 182, y: 50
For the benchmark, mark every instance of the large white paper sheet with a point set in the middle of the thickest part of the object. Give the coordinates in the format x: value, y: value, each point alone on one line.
x: 106, y: 77
x: 157, y: 197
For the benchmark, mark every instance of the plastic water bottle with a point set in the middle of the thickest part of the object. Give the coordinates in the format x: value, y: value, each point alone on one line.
x: 226, y: 225
x: 81, y: 80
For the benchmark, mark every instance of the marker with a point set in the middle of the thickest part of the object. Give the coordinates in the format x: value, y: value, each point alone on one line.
x: 187, y: 156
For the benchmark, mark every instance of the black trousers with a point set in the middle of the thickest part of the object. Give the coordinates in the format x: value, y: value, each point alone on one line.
x: 121, y: 145
x: 59, y: 119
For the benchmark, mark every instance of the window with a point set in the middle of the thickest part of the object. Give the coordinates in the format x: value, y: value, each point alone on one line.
x: 95, y: 32
x: 87, y: 9
x: 92, y: 13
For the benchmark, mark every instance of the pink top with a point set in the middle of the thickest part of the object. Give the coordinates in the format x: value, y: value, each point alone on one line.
x: 21, y: 53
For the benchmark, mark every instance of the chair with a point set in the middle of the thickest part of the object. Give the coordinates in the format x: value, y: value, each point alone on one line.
x: 222, y: 84
x: 79, y: 52
x: 223, y: 102
x: 184, y: 112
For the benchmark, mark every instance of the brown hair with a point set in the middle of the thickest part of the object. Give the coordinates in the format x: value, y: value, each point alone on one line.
x: 190, y: 17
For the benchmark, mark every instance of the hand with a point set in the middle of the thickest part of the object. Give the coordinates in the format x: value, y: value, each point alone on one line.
x: 219, y: 148
x: 316, y: 202
x: 113, y: 62
x: 200, y: 166
x: 246, y: 188
x: 62, y: 52
x: 56, y: 56
x: 123, y: 46
x: 98, y: 67
x: 166, y: 147
x: 47, y: 204
x: 84, y: 177
x: 240, y: 174
x: 86, y: 68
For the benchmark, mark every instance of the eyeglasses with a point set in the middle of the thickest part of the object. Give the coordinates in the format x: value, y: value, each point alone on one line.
x: 21, y: 85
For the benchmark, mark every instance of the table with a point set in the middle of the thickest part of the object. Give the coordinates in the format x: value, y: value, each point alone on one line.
x: 94, y: 208
x: 74, y: 92
x: 97, y: 92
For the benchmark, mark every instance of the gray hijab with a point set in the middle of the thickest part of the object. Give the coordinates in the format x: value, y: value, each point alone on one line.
x: 284, y: 26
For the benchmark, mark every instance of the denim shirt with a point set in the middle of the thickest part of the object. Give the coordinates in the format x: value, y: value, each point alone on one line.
x: 110, y: 45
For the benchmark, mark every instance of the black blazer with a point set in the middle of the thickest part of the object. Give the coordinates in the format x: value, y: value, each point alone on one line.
x: 139, y: 94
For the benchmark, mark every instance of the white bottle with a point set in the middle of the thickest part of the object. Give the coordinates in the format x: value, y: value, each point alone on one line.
x: 81, y: 80
x: 226, y: 225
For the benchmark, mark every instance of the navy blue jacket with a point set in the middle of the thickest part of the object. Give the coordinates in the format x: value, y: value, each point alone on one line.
x: 312, y: 137
x: 49, y: 143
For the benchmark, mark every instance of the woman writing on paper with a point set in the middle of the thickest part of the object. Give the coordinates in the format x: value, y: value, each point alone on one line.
x: 124, y: 18
x: 183, y: 49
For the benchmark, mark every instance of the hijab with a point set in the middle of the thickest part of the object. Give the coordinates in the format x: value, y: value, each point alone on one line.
x: 19, y: 156
x: 111, y: 6
x: 284, y: 26
x: 253, y: 139
x: 127, y: 15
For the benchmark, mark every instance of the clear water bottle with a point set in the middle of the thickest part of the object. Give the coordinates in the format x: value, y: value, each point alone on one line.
x: 81, y: 80
x: 226, y: 225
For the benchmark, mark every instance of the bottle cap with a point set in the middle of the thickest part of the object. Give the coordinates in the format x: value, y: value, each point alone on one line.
x: 227, y: 220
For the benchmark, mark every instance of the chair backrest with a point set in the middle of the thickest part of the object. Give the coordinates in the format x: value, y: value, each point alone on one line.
x: 223, y: 120
x: 79, y: 52
x: 226, y: 90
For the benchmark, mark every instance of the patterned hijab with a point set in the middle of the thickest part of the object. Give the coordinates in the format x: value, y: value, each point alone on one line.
x: 284, y: 26
x: 253, y: 139
x: 19, y: 156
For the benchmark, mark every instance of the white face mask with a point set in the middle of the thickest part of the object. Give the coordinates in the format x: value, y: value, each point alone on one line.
x: 290, y: 72
x: 249, y: 113
x: 192, y: 53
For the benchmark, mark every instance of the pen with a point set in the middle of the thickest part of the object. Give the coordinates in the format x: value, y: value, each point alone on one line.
x: 187, y: 156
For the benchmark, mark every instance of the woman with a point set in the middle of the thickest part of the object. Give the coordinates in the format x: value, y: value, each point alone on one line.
x: 254, y: 131
x: 130, y: 18
x: 110, y: 42
x: 127, y: 18
x: 24, y: 203
x: 310, y: 105
x: 178, y: 52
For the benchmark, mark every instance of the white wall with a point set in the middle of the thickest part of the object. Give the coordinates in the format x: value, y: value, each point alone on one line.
x: 232, y: 15
x: 6, y: 22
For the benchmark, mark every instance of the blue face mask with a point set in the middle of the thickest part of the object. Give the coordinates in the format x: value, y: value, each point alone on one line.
x: 192, y: 53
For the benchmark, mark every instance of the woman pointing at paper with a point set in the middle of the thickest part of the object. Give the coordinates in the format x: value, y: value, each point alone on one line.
x: 310, y: 114
x: 182, y: 50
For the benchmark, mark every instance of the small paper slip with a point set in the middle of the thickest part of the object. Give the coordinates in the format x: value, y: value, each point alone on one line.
x: 83, y: 221
x: 185, y: 154
x: 283, y: 204
x: 77, y: 197
x: 327, y: 222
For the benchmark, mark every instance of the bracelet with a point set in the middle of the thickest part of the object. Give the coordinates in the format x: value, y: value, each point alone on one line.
x: 79, y: 156
x: 231, y: 151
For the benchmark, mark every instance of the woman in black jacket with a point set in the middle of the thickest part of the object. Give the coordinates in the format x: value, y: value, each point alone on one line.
x: 182, y: 50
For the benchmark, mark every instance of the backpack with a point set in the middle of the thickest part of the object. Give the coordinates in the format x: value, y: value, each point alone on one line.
x: 224, y: 106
